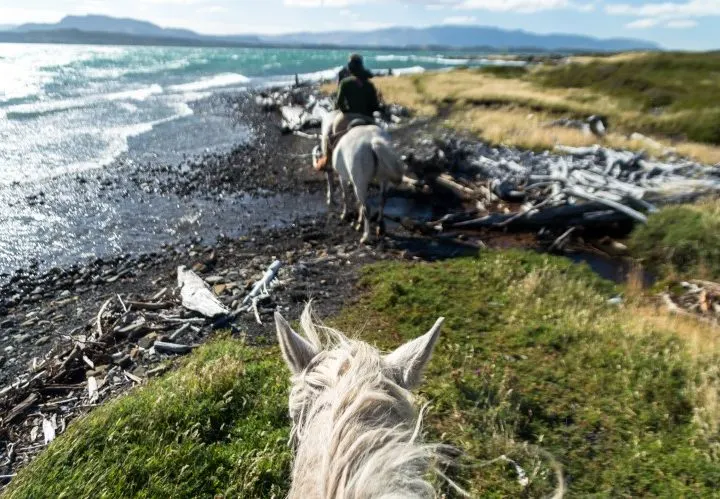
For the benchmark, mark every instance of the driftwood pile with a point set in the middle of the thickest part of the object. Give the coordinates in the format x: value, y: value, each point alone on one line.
x: 592, y: 188
x: 699, y: 299
x: 130, y: 340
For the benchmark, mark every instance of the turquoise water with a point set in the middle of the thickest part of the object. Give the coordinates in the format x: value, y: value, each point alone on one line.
x: 65, y: 109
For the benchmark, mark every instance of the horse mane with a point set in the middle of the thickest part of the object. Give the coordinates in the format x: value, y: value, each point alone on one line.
x: 356, y: 431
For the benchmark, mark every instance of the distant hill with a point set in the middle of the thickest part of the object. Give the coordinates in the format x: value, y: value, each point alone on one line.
x: 97, y: 25
x: 6, y: 27
x: 110, y: 30
x: 108, y: 24
x: 465, y: 37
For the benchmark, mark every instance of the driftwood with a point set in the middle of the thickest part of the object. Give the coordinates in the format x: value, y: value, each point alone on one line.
x: 150, y: 306
x: 197, y: 295
x: 447, y: 182
x: 110, y: 353
x: 262, y: 286
x: 558, y: 217
x: 174, y: 348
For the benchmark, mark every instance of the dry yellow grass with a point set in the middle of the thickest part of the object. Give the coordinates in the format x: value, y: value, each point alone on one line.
x: 498, y: 110
x: 702, y: 338
x: 702, y: 341
x: 625, y: 56
x: 519, y: 127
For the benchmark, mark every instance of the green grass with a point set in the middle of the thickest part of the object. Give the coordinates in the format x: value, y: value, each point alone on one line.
x: 681, y: 241
x: 532, y: 364
x: 675, y: 91
x: 218, y: 425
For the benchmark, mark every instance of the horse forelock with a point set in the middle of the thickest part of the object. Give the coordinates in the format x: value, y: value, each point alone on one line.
x: 354, y: 427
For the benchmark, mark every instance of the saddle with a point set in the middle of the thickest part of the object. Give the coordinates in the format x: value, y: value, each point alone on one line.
x: 323, y: 163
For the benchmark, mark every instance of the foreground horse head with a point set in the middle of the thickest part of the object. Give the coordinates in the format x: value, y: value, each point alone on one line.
x: 354, y: 426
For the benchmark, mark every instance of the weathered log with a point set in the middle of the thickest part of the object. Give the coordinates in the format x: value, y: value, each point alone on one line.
x: 197, y: 296
x: 175, y: 348
x: 507, y: 191
x: 447, y: 182
x: 561, y: 217
x: 20, y: 408
x: 149, y: 306
x: 634, y: 214
x: 264, y: 282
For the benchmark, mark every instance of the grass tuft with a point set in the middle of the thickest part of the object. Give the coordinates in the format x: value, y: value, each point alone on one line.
x: 667, y: 96
x: 681, y: 241
x: 218, y: 425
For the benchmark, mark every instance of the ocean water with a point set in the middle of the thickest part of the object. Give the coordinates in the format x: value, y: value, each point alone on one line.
x: 66, y: 108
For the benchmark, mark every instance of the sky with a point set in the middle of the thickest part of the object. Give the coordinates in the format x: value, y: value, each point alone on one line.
x: 674, y: 24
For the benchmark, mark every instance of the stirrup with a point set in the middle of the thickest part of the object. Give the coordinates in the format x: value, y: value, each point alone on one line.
x: 322, y: 164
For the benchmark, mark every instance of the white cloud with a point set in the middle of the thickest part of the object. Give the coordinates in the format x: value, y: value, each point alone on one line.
x: 676, y: 15
x: 524, y: 6
x: 693, y: 8
x: 645, y: 23
x: 213, y: 9
x: 682, y: 24
x: 460, y: 20
x: 173, y: 2
x: 323, y: 3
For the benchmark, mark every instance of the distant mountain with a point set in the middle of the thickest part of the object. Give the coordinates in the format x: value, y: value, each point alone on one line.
x: 75, y: 36
x: 128, y: 27
x: 108, y: 24
x: 110, y: 30
x: 6, y: 27
x: 464, y: 37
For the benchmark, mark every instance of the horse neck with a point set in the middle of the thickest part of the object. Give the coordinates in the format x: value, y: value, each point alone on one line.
x: 359, y: 442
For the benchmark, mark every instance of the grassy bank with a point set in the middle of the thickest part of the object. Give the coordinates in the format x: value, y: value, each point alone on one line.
x: 681, y: 242
x: 533, y: 364
x: 667, y: 96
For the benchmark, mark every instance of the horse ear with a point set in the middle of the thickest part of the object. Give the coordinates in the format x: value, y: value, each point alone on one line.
x: 296, y: 350
x: 409, y: 361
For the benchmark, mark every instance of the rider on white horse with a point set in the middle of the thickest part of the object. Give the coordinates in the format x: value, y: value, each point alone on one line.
x: 357, y: 99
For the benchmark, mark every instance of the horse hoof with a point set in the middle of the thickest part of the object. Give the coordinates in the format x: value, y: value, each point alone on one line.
x: 364, y: 240
x: 380, y: 229
x: 343, y: 217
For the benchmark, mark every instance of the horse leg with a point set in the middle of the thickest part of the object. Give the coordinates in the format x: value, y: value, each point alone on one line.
x: 363, y: 218
x: 343, y: 190
x: 328, y: 175
x: 381, y: 211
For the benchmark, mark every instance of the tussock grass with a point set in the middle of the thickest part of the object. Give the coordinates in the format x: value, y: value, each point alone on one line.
x: 676, y: 92
x: 514, y: 126
x: 681, y: 241
x: 533, y: 364
x: 689, y: 123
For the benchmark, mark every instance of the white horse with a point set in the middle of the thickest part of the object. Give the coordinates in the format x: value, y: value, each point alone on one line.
x: 364, y: 153
x: 355, y: 429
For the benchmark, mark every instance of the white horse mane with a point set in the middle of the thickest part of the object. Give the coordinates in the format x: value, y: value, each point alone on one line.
x: 355, y: 428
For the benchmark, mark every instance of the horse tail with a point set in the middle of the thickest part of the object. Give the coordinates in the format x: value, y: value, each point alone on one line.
x: 389, y: 163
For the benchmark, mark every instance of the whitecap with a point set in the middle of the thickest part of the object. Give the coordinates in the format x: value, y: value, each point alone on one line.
x: 20, y: 111
x: 217, y: 81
